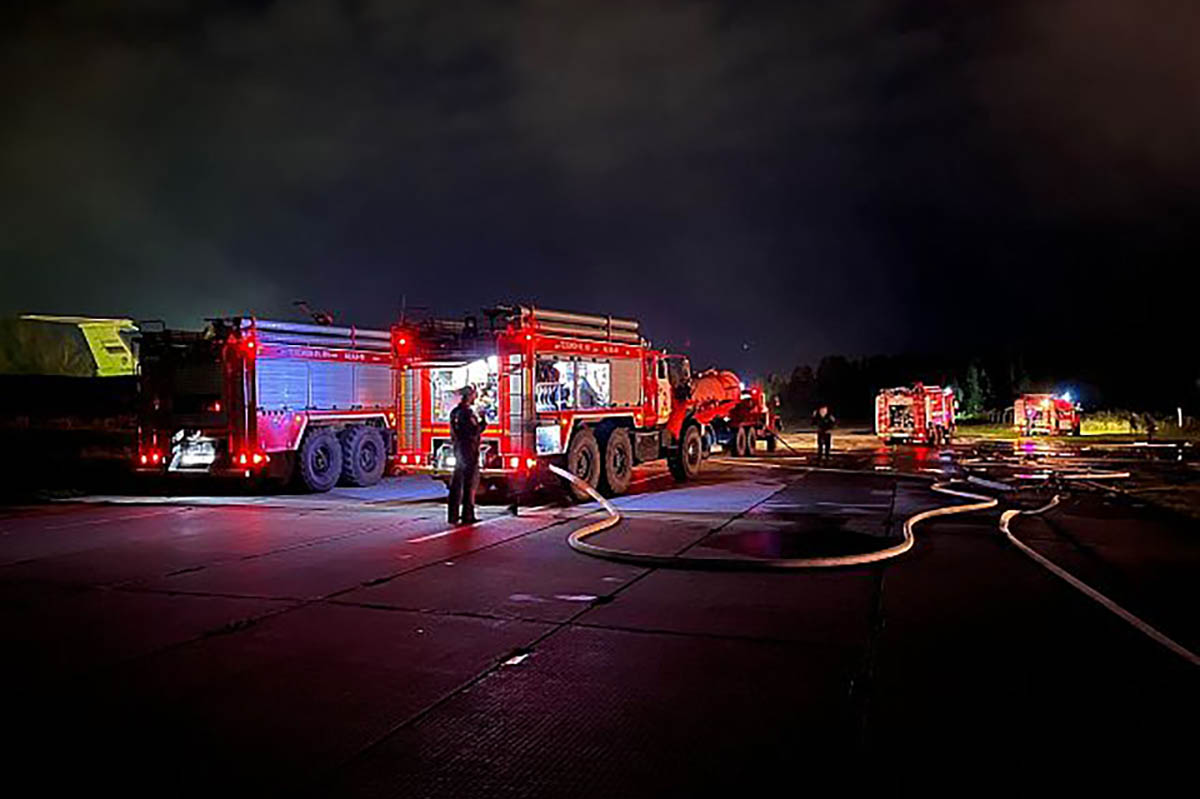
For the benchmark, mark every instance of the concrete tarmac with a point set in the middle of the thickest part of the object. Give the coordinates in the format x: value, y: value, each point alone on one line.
x: 352, y: 644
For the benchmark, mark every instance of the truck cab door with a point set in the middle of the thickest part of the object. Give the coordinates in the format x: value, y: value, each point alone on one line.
x: 663, y: 391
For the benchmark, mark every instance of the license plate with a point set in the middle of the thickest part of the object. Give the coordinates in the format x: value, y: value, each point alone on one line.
x: 196, y: 453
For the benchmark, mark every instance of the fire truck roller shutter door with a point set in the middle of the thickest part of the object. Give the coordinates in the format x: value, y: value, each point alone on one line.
x: 626, y: 382
x: 332, y: 385
x: 282, y: 383
x: 373, y: 385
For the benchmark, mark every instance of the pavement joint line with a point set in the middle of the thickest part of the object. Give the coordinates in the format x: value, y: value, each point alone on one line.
x: 708, y: 636
x: 392, y: 576
x: 1130, y: 618
x: 439, y: 612
x: 87, y: 522
x: 863, y: 682
x: 229, y: 628
x: 1061, y: 534
x: 137, y: 589
x: 458, y: 529
x: 134, y: 581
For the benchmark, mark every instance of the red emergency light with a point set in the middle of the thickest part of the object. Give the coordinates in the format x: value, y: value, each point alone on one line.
x: 402, y: 341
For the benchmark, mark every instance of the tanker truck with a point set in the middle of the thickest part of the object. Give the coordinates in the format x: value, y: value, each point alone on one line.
x: 738, y: 417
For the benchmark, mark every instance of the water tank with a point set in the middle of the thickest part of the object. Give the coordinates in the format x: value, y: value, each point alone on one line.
x: 716, y: 386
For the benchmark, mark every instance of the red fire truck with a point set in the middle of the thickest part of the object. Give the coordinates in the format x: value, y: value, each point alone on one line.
x: 252, y: 397
x: 1046, y: 414
x: 917, y: 415
x: 738, y: 416
x: 585, y: 392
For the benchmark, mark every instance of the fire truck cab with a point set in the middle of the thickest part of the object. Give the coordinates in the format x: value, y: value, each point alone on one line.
x: 584, y: 392
x: 251, y: 397
x: 917, y: 415
x: 1046, y: 414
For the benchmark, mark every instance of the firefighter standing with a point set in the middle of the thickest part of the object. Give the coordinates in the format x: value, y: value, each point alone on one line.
x: 824, y: 421
x: 466, y: 429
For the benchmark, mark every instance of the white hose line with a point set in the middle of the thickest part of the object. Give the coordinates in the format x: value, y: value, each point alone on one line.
x: 1005, y: 527
x: 576, y: 540
x: 1096, y: 476
x: 765, y: 463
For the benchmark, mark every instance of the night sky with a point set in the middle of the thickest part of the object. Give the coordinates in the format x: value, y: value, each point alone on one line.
x: 760, y: 183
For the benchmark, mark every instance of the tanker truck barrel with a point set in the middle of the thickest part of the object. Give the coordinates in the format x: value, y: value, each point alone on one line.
x: 316, y: 330
x: 589, y: 332
x: 343, y: 342
x: 593, y: 320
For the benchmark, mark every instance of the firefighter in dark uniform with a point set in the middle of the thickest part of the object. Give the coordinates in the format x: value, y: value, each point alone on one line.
x: 823, y: 420
x: 466, y: 429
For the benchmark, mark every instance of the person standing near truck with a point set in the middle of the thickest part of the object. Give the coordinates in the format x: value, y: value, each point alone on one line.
x: 466, y: 430
x: 824, y: 421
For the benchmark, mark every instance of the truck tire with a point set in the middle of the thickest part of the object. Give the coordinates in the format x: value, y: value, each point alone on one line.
x: 583, y: 461
x: 618, y: 464
x: 685, y: 463
x: 751, y: 441
x: 364, y: 455
x: 772, y: 441
x: 320, y: 460
x: 739, y: 442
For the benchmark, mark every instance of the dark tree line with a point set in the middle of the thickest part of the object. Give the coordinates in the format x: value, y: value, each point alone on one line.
x: 990, y: 383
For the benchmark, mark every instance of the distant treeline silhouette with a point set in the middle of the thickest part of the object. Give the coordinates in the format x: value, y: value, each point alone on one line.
x: 987, y: 384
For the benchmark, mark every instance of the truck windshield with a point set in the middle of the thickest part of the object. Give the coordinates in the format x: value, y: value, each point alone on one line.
x: 679, y: 371
x: 900, y: 417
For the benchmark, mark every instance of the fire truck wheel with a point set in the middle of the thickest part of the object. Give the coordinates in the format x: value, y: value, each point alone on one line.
x: 771, y: 442
x: 751, y: 441
x: 320, y: 460
x: 739, y: 443
x: 618, y: 464
x: 364, y: 455
x: 685, y: 464
x: 583, y: 461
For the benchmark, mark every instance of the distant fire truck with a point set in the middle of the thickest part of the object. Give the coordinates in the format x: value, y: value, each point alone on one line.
x: 1046, y: 414
x: 738, y: 416
x: 252, y: 397
x: 583, y: 391
x: 918, y: 415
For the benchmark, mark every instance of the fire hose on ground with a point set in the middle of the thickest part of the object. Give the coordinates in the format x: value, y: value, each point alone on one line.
x: 577, y: 540
x: 1091, y: 593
